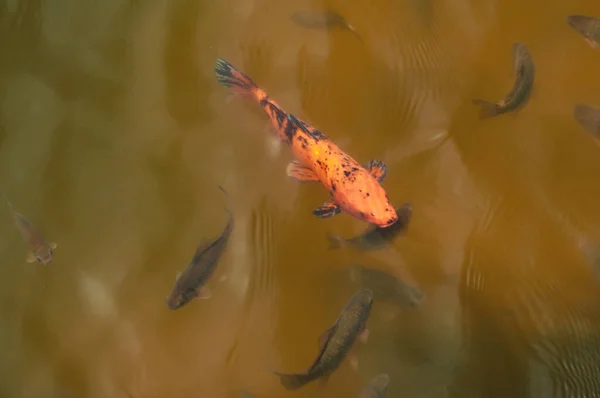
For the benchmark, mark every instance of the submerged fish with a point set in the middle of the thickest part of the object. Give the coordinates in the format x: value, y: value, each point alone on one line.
x: 522, y: 88
x: 354, y: 189
x: 588, y: 117
x: 588, y: 27
x: 386, y: 287
x: 41, y: 250
x: 375, y: 237
x: 377, y: 388
x: 336, y: 342
x: 321, y: 20
x: 191, y: 282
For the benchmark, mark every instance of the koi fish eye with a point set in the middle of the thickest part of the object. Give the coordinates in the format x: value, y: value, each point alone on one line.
x: 373, y: 214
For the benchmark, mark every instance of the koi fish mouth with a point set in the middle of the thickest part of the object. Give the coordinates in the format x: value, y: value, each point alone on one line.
x: 388, y: 223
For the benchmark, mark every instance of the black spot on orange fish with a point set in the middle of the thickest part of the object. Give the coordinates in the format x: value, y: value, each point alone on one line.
x: 368, y: 194
x: 362, y: 214
x: 333, y: 187
x: 290, y: 131
x: 280, y: 117
x: 346, y: 173
x: 354, y: 169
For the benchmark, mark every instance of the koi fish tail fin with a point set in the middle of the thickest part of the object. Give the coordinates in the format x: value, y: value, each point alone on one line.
x: 335, y: 242
x: 229, y: 76
x: 293, y: 382
x: 488, y: 109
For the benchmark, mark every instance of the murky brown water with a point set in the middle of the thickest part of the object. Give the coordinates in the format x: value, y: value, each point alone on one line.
x: 114, y: 135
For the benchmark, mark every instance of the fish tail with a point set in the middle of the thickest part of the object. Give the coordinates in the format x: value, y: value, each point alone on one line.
x: 229, y: 76
x: 293, y: 382
x: 488, y: 109
x: 335, y: 242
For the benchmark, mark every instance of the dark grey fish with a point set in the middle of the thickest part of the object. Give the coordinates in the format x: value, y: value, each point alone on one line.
x: 41, y: 250
x: 522, y: 88
x: 588, y: 27
x: 377, y: 388
x: 191, y: 282
x: 336, y: 342
x: 321, y: 20
x: 375, y: 237
x: 386, y: 287
x: 588, y: 117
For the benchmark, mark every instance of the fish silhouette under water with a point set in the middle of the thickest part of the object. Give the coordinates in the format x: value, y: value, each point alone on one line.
x: 588, y: 27
x: 386, y: 287
x: 522, y: 88
x: 588, y: 117
x: 336, y: 342
x: 354, y: 189
x: 41, y: 250
x: 375, y: 237
x: 377, y: 387
x: 322, y: 20
x: 191, y: 282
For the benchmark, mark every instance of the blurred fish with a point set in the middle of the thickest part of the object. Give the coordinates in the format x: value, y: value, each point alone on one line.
x: 336, y: 342
x: 191, y: 282
x: 588, y: 117
x: 386, y: 287
x: 377, y: 388
x: 588, y: 27
x: 322, y: 20
x: 41, y: 251
x: 353, y: 188
x: 522, y: 88
x: 375, y: 237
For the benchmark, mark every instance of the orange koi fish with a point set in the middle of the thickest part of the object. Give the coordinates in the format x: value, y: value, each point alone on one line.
x: 354, y: 189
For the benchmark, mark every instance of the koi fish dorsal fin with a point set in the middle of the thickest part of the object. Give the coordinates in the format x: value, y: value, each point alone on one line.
x: 329, y: 209
x: 300, y: 173
x: 377, y: 169
x: 314, y: 133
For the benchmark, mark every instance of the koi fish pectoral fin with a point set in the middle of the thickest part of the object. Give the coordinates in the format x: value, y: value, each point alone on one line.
x: 300, y: 173
x: 53, y: 245
x: 377, y: 169
x: 30, y: 258
x: 329, y: 209
x: 203, y: 293
x: 353, y: 360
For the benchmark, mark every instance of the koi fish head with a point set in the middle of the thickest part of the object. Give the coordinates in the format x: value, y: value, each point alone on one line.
x: 371, y: 204
x: 175, y: 300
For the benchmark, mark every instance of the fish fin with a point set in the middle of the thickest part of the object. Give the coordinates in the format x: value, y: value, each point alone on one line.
x: 364, y: 336
x: 329, y: 209
x: 272, y: 145
x: 177, y: 275
x: 229, y: 76
x: 325, y: 336
x: 53, y: 245
x: 30, y: 258
x: 300, y: 173
x: 203, y: 293
x: 488, y: 109
x: 304, y: 127
x: 322, y: 383
x: 335, y: 241
x: 291, y: 381
x: 353, y: 359
x: 592, y: 43
x: 223, y: 278
x: 377, y: 169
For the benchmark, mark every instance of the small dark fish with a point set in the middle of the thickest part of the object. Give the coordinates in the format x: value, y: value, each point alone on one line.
x: 336, y: 342
x: 375, y: 237
x: 588, y: 117
x: 377, y: 388
x: 522, y: 88
x: 386, y: 287
x: 41, y: 250
x: 588, y: 27
x: 321, y: 20
x: 191, y: 282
